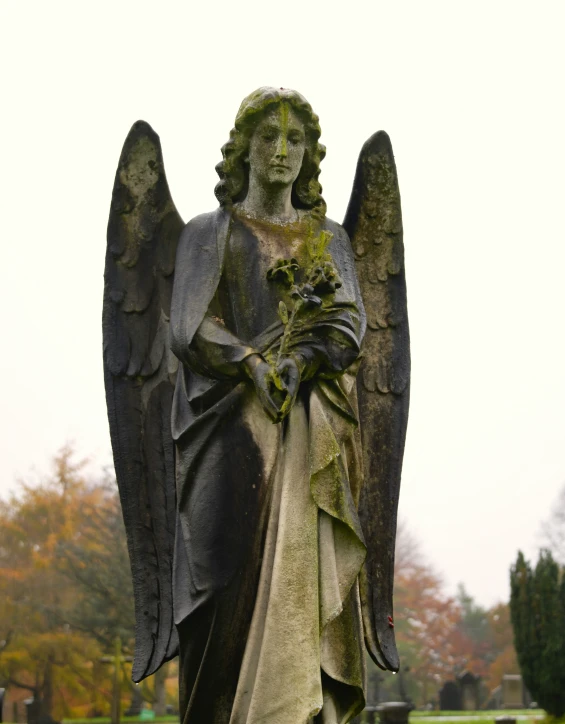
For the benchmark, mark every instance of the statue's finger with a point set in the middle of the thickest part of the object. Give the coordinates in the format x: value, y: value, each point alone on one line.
x: 269, y: 405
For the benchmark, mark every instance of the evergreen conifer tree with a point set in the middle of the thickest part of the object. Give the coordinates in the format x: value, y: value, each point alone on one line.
x: 537, y: 607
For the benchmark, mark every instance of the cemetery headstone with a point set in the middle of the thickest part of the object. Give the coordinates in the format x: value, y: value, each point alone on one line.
x: 469, y: 685
x: 495, y: 701
x: 450, y: 697
x: 512, y: 691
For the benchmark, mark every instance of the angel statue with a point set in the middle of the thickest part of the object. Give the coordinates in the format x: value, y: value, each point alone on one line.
x: 259, y: 480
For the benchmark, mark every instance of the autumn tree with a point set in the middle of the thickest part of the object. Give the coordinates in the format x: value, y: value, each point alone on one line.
x: 439, y: 636
x: 65, y: 588
x: 474, y: 625
x: 502, y: 657
x: 430, y: 643
x: 66, y: 591
x: 95, y: 564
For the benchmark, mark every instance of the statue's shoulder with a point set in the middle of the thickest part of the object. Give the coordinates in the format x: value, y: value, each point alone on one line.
x: 340, y: 234
x: 203, y: 224
x: 202, y: 241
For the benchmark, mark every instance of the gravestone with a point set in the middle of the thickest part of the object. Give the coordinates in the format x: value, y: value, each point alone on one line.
x: 495, y: 701
x: 469, y: 685
x: 512, y: 691
x: 450, y: 697
x: 33, y: 710
x: 35, y: 713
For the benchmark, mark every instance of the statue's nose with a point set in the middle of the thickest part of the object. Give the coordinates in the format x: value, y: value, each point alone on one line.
x: 281, y: 146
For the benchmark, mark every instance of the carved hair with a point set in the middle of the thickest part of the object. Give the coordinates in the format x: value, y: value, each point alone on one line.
x: 233, y: 170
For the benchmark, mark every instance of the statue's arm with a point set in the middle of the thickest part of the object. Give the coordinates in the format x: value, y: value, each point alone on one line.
x: 212, y: 351
x: 198, y: 337
x: 328, y: 349
x: 216, y: 352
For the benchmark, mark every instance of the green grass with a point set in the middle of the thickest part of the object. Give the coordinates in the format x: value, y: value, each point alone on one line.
x: 106, y: 720
x: 429, y: 716
x: 481, y: 717
x: 483, y: 714
x: 437, y: 717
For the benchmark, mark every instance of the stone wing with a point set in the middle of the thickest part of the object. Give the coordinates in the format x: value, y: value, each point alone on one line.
x: 374, y: 224
x: 139, y: 370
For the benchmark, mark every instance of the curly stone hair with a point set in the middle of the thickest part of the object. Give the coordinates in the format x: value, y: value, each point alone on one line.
x: 233, y: 169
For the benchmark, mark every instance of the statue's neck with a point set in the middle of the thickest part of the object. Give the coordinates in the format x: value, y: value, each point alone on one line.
x: 272, y: 203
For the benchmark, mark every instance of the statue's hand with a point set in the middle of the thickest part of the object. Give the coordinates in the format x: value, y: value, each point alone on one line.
x: 289, y: 374
x: 261, y: 374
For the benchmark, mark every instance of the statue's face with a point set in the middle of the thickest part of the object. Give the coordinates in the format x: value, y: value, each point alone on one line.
x: 276, y: 148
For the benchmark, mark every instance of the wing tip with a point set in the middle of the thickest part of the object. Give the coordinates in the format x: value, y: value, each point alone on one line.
x: 392, y: 660
x: 379, y: 142
x: 142, y: 128
x: 138, y: 670
x: 385, y: 657
x: 142, y: 669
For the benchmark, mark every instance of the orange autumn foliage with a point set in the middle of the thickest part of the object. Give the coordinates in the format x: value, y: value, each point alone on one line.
x: 440, y: 636
x: 44, y: 650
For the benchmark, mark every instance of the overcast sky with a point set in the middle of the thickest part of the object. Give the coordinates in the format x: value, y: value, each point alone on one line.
x: 472, y: 96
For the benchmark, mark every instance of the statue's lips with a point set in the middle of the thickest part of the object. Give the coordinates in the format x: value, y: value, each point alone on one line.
x: 280, y: 166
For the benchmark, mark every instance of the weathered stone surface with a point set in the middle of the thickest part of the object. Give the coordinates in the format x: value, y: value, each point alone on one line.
x: 260, y: 549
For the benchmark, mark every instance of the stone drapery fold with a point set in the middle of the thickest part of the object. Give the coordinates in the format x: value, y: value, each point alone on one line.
x: 307, y: 617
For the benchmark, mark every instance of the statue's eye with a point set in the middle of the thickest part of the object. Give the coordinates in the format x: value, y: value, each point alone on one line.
x: 294, y: 138
x: 269, y: 135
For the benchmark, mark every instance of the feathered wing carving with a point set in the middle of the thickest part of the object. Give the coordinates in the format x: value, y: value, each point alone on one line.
x: 143, y: 231
x: 374, y: 224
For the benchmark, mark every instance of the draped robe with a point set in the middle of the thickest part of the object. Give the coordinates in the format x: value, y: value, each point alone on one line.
x: 268, y: 543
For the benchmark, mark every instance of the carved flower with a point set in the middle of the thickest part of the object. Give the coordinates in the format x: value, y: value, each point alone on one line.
x: 306, y: 293
x: 325, y: 279
x: 283, y: 271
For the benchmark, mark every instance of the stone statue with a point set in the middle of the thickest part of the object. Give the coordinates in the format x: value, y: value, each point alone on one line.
x: 259, y: 481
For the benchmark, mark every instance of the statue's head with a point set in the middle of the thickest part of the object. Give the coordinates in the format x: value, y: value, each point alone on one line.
x: 263, y: 110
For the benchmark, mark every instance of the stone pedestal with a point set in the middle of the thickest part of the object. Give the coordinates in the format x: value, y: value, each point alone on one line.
x: 394, y: 712
x: 505, y: 719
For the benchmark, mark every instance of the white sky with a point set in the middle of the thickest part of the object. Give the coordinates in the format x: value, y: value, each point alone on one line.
x: 472, y: 95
